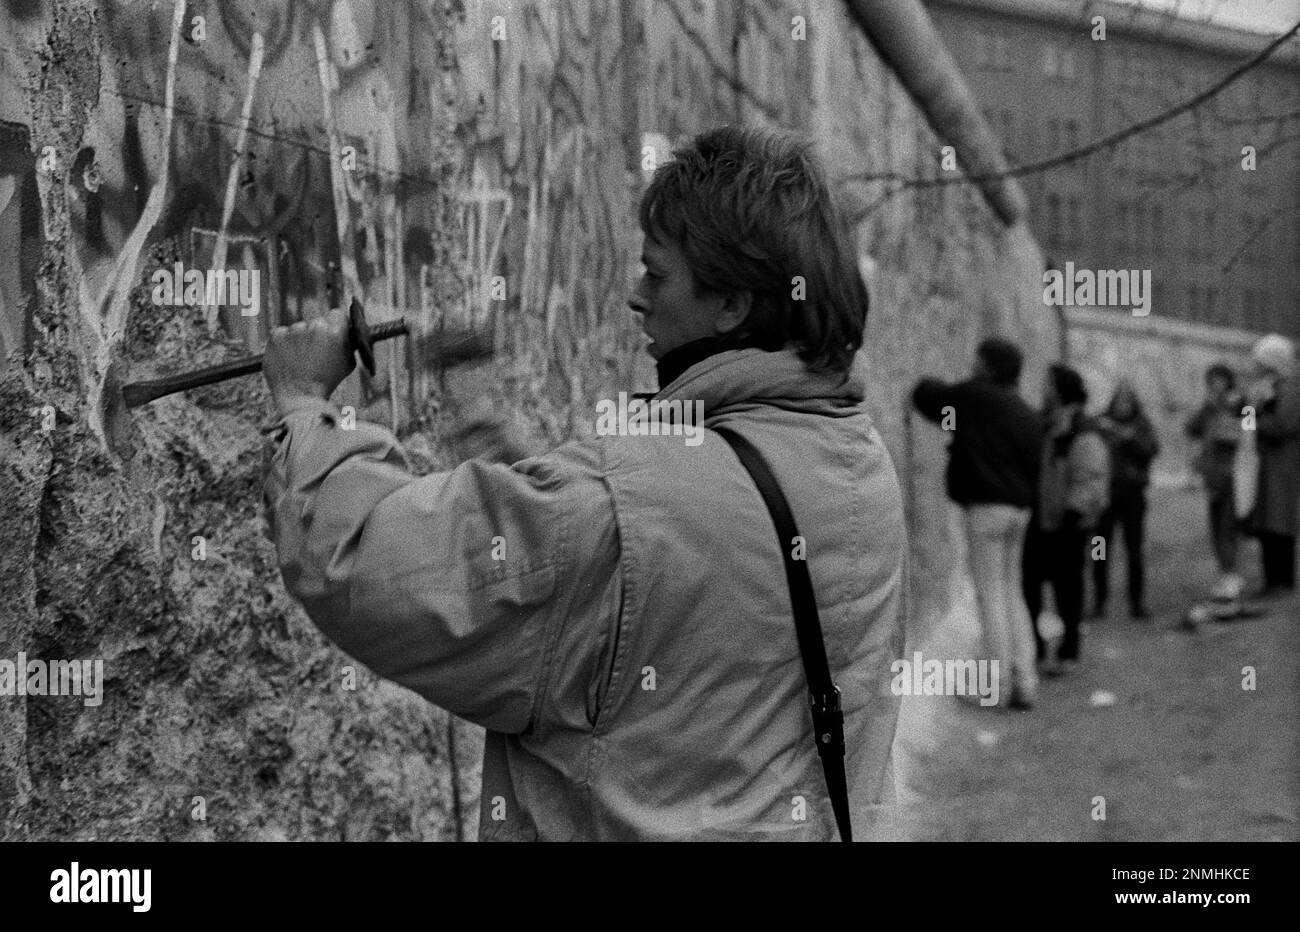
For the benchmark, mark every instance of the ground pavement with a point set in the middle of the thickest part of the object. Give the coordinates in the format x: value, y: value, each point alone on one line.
x: 1155, y: 722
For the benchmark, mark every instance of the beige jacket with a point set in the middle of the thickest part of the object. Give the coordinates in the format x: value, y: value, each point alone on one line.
x: 1075, y: 473
x: 615, y: 613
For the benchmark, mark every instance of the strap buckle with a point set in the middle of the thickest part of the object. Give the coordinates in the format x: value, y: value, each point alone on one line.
x: 828, y: 722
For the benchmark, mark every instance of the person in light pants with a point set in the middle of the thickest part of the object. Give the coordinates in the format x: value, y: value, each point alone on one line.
x: 995, y: 542
x: 993, y: 464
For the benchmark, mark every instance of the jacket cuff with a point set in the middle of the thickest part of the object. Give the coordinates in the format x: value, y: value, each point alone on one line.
x: 304, y: 411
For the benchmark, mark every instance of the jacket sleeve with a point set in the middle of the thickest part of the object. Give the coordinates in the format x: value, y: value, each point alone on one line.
x: 931, y: 396
x: 454, y: 584
x: 1088, y: 489
x: 1196, y: 424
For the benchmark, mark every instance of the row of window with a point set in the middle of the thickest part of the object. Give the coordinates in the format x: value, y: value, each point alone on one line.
x: 1139, y: 225
x: 996, y: 52
x: 1064, y: 220
x: 1064, y: 134
x: 1129, y: 69
x: 1060, y: 60
x: 1061, y: 135
x: 1144, y: 154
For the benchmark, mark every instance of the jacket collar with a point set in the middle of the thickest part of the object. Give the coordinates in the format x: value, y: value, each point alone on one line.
x: 677, y: 361
x: 730, y: 378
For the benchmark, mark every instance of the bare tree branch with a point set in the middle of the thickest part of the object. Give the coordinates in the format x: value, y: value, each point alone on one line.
x: 1092, y: 148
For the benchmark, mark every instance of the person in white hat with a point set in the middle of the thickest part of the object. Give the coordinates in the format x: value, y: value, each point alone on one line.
x: 1274, y: 393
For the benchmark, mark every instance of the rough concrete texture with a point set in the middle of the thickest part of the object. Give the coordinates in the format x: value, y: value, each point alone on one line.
x: 1165, y: 359
x: 478, y: 157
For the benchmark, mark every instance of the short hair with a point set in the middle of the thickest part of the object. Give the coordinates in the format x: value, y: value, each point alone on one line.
x: 1068, y: 384
x: 1003, y: 359
x: 1221, y: 370
x: 750, y: 209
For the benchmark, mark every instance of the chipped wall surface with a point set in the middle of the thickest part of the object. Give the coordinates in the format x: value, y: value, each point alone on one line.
x: 429, y: 157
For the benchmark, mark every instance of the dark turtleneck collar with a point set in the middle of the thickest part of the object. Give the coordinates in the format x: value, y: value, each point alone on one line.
x: 676, y: 361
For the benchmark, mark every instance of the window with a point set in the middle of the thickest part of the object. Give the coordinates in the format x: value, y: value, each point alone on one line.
x: 1255, y: 307
x: 1058, y: 62
x: 1201, y: 224
x: 1001, y: 53
x: 1054, y: 219
x: 1139, y: 226
x: 1136, y: 68
x: 1071, y: 135
x: 674, y: 68
x: 1121, y: 224
x: 1008, y: 131
x: 1067, y: 64
x: 1074, y: 220
x: 992, y: 53
x: 1003, y: 125
x: 1257, y: 252
x: 1201, y: 302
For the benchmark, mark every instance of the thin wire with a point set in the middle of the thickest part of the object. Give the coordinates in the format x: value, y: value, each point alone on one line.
x: 1106, y: 142
x: 903, y: 182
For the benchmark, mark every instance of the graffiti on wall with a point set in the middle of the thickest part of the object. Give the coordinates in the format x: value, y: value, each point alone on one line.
x: 446, y: 161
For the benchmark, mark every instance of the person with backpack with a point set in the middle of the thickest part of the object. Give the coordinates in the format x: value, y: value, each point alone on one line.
x: 1073, y: 492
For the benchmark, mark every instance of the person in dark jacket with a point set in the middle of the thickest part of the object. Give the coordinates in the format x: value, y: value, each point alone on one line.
x: 993, y: 463
x: 1217, y: 426
x: 1133, y: 445
x: 1275, y: 395
x: 1073, y: 489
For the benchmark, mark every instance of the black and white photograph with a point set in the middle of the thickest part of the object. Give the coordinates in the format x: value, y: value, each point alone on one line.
x: 650, y: 421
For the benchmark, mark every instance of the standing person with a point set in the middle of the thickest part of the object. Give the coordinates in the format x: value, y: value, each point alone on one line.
x: 1274, y: 392
x: 993, y: 464
x: 1074, y: 483
x: 614, y: 613
x: 1217, y: 427
x: 1133, y: 445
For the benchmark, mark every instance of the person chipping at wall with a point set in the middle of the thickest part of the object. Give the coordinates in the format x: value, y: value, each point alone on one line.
x: 634, y: 656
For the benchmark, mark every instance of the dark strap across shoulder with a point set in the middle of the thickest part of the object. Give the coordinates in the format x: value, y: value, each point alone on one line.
x: 828, y: 717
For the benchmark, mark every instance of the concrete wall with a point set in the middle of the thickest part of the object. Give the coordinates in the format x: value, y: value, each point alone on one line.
x: 1166, y: 360
x: 479, y: 154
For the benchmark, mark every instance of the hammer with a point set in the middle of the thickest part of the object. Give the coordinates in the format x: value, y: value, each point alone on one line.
x: 361, y: 340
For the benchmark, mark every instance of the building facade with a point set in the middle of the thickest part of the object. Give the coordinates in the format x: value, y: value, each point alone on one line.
x: 1208, y: 201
